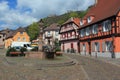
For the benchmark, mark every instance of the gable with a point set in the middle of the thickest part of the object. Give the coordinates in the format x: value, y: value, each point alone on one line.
x: 21, y: 36
x: 68, y: 27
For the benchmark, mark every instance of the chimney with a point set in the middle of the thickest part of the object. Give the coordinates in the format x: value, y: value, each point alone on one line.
x: 96, y: 1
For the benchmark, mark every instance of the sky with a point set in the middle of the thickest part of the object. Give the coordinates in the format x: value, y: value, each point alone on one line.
x: 21, y: 13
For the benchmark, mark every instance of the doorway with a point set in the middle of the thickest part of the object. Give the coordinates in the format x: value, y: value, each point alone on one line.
x: 89, y: 44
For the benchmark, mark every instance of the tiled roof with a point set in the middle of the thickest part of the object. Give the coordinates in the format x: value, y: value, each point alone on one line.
x: 72, y: 20
x: 53, y: 26
x: 102, y: 10
x: 5, y: 31
x: 13, y: 33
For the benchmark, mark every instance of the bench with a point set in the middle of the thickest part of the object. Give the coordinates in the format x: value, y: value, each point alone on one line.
x: 16, y: 54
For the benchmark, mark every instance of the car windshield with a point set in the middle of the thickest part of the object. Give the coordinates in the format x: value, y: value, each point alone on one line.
x: 28, y: 45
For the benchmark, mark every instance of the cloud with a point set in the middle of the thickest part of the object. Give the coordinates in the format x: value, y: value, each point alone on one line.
x: 27, y: 11
x: 42, y: 8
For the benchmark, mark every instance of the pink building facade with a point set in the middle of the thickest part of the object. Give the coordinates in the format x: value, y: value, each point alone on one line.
x: 69, y: 36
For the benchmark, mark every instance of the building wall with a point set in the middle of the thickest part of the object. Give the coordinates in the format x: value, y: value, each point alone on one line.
x: 115, y: 49
x: 51, y: 35
x: 101, y: 50
x: 8, y: 42
x: 24, y: 35
x: 1, y: 41
x: 67, y: 46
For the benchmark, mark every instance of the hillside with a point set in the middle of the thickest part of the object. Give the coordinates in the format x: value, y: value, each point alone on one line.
x: 62, y: 18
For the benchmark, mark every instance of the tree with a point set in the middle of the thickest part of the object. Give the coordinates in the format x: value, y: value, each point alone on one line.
x: 73, y: 14
x: 33, y: 30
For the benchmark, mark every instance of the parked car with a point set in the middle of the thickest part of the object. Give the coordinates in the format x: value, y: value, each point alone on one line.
x: 17, y: 48
x: 22, y: 44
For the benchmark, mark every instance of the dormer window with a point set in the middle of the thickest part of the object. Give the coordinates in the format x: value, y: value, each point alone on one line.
x: 87, y: 31
x: 82, y: 33
x: 81, y: 22
x: 95, y: 29
x: 48, y: 33
x: 89, y: 19
x: 106, y: 25
x: 21, y: 33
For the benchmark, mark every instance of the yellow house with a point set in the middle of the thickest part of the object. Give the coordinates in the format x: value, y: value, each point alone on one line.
x: 19, y: 35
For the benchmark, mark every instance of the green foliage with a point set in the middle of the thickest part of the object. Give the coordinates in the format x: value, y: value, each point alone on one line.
x: 73, y: 14
x: 57, y: 49
x: 22, y: 50
x: 10, y: 50
x: 62, y: 18
x: 33, y: 30
x: 82, y: 14
x: 57, y: 45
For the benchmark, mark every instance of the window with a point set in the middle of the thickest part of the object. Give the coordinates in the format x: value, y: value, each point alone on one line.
x: 81, y: 22
x: 109, y: 46
x: 3, y: 35
x: 82, y: 32
x: 18, y: 39
x: 84, y: 47
x: 21, y: 32
x: 89, y: 19
x: 0, y: 36
x: 87, y: 31
x: 71, y: 45
x: 25, y: 45
x: 106, y: 25
x: 48, y: 34
x: 24, y: 39
x: 69, y: 34
x: 70, y: 24
x: 56, y: 33
x: 95, y: 29
x: 97, y: 46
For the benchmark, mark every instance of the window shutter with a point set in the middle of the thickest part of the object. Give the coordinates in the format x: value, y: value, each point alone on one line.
x: 98, y: 46
x: 81, y: 47
x: 103, y: 46
x: 93, y: 47
x: 109, y: 23
x: 111, y: 45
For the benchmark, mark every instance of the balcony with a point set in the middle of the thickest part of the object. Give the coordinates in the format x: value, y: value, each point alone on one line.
x: 48, y: 36
x: 69, y: 38
x: 67, y: 29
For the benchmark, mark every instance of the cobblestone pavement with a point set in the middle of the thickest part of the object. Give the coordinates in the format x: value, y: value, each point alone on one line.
x: 96, y: 69
x: 111, y: 60
x: 12, y: 68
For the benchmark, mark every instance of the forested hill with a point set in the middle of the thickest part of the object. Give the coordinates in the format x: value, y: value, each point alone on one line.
x: 62, y: 18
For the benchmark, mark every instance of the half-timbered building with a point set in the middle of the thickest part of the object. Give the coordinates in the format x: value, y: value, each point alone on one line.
x: 99, y: 32
x: 69, y: 36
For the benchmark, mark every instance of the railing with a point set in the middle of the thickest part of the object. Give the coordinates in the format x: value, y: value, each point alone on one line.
x: 68, y: 38
x: 67, y: 29
x: 50, y: 35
